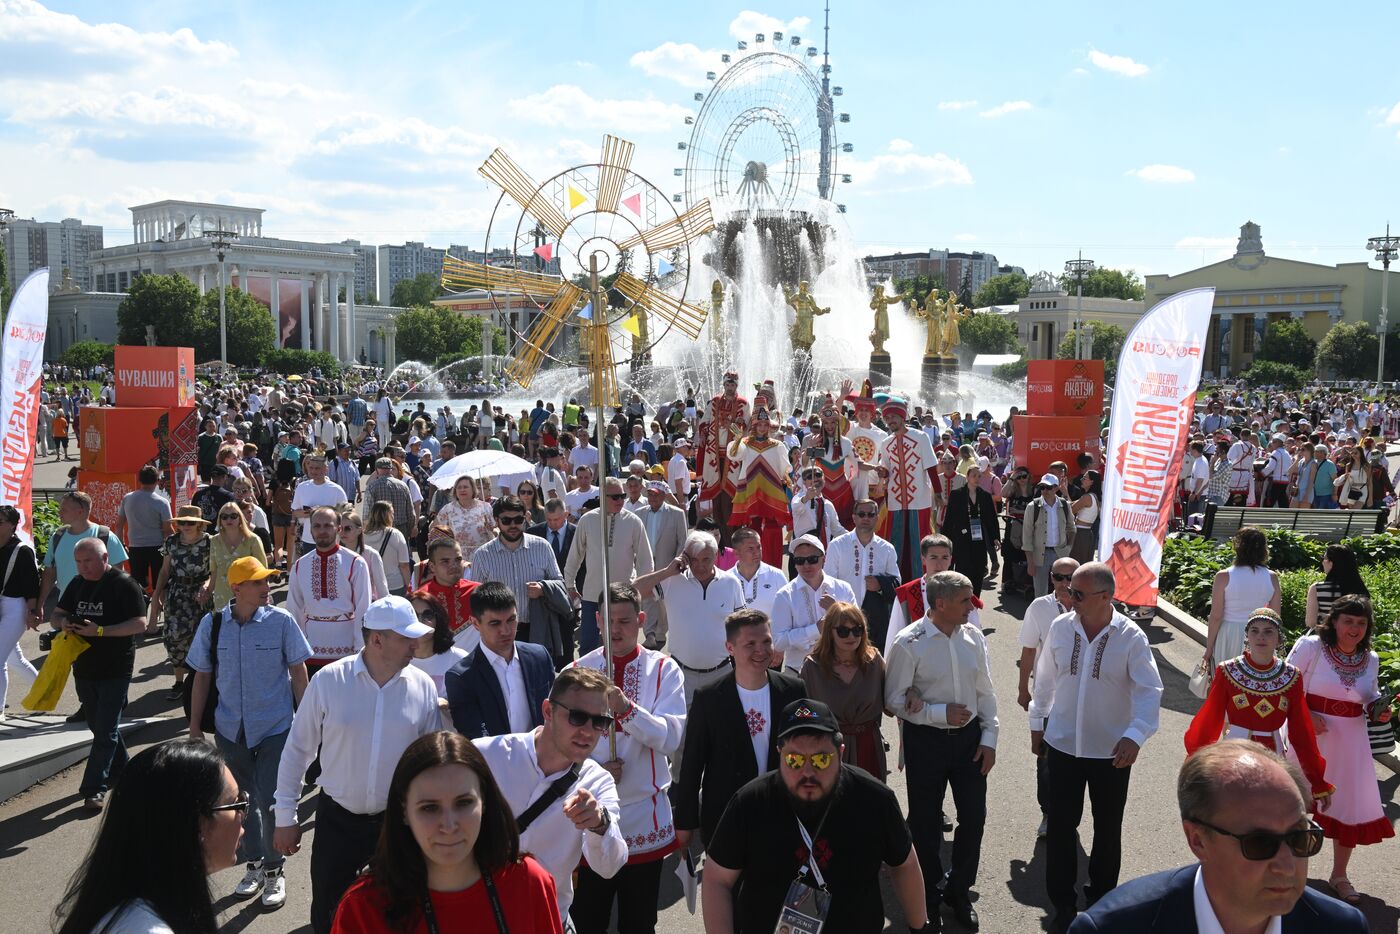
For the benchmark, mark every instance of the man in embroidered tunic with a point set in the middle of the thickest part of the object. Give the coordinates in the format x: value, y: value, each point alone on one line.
x: 907, y: 463
x: 717, y: 430
x: 446, y: 583
x: 328, y: 592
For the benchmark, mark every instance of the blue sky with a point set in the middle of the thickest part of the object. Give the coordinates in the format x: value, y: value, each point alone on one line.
x: 1144, y: 134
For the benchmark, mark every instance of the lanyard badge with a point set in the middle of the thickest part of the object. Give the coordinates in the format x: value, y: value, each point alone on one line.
x: 804, y: 907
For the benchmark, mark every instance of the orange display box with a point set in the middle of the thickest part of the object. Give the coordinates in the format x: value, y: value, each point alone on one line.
x: 1064, y: 387
x: 154, y: 376
x: 1040, y: 440
x: 118, y: 440
x: 106, y: 490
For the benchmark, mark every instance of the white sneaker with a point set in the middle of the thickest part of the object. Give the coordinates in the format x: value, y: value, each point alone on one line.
x: 252, y: 882
x: 274, y: 893
x: 1044, y: 827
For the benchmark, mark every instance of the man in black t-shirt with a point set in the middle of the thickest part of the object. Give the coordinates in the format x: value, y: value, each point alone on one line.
x: 852, y: 820
x: 107, y: 608
x: 210, y: 499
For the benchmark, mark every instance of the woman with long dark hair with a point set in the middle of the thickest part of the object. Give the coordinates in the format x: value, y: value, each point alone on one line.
x: 449, y: 854
x: 174, y: 818
x: 1340, y: 576
x: 1237, y: 592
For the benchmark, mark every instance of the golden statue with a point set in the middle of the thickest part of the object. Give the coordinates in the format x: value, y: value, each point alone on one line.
x: 716, y: 306
x: 641, y: 339
x: 932, y: 314
x: 806, y: 309
x: 952, y: 335
x: 880, y: 304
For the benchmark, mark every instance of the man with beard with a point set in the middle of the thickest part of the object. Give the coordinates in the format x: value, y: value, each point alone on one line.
x: 526, y: 564
x: 328, y: 592
x: 827, y: 825
x: 720, y: 426
x: 628, y: 556
x: 907, y: 464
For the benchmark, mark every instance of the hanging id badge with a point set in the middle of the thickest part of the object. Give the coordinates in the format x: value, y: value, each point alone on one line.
x: 976, y: 523
x: 804, y: 908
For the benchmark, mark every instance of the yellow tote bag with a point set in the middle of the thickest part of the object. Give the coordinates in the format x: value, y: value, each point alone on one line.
x: 48, y: 686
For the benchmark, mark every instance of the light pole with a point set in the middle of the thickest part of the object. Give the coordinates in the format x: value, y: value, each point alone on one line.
x: 1079, y: 268
x: 1386, y: 249
x: 6, y: 215
x: 1089, y: 340
x: 219, y: 242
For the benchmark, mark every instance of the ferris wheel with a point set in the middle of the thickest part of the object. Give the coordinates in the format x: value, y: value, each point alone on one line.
x: 765, y: 137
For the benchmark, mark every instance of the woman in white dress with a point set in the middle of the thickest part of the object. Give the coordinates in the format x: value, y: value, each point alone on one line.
x: 436, y: 652
x: 1238, y: 591
x: 352, y: 536
x: 1340, y: 677
x: 468, y: 516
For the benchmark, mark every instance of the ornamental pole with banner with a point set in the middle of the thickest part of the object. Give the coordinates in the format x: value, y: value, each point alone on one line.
x: 1154, y: 401
x: 26, y: 327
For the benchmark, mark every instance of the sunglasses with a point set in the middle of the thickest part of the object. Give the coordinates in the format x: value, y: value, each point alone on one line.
x: 1261, y: 845
x: 866, y: 515
x: 601, y: 722
x: 187, y: 522
x: 617, y: 496
x: 241, y: 803
x: 1060, y: 577
x: 1082, y: 595
x: 820, y: 760
x: 511, y: 520
x: 809, y: 559
x: 846, y: 632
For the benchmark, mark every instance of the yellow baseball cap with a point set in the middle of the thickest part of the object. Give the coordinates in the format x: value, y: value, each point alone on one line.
x: 248, y: 569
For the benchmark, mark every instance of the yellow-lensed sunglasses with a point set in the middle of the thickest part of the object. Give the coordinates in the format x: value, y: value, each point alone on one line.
x: 796, y: 760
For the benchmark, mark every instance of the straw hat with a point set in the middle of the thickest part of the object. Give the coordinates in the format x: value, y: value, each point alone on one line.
x: 190, y: 514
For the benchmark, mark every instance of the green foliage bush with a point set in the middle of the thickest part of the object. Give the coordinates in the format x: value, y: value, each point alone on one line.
x: 45, y: 522
x: 1271, y: 373
x: 288, y: 361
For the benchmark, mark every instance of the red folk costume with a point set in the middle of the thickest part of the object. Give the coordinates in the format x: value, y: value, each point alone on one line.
x: 761, y: 500
x: 457, y: 600
x: 835, y: 458
x: 718, y: 480
x: 1247, y: 703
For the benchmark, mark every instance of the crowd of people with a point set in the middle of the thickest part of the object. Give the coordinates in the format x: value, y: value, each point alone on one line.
x: 775, y: 588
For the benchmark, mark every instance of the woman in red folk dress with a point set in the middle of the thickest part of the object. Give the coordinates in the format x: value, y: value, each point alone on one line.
x: 833, y: 455
x: 1254, y: 696
x: 1340, y: 677
x: 760, y: 500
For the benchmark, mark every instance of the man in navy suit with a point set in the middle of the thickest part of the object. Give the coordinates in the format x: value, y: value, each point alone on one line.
x: 498, y: 688
x: 559, y: 532
x: 1245, y: 814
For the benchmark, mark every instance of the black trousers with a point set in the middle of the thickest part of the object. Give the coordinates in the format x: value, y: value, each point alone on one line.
x: 144, y: 562
x: 635, y: 887
x: 936, y: 759
x: 1277, y: 495
x: 343, y: 845
x: 1066, y: 779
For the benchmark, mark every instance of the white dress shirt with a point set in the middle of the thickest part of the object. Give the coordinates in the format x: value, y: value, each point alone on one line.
x: 951, y: 669
x: 361, y: 730
x: 797, y: 615
x: 804, y: 517
x: 512, y: 680
x: 1090, y: 694
x: 1040, y: 613
x: 552, y: 839
x: 851, y: 561
x: 759, y: 592
x: 1208, y: 923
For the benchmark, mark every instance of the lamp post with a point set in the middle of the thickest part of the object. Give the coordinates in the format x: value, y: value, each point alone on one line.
x: 1079, y: 268
x: 219, y: 242
x: 1089, y: 341
x: 1386, y: 247
x: 6, y: 215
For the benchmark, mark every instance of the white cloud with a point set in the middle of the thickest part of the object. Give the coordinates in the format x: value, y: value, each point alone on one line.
x: 1163, y: 174
x: 901, y: 145
x: 569, y: 105
x: 1118, y: 64
x: 956, y: 105
x: 163, y: 106
x: 966, y: 238
x: 1394, y: 116
x: 1009, y: 107
x: 681, y: 62
x: 27, y: 23
x: 371, y: 131
x: 907, y: 171
x: 1079, y: 71
x: 749, y: 23
x: 288, y: 90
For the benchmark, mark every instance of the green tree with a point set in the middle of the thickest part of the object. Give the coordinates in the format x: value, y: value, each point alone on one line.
x: 250, y: 328
x: 85, y: 354
x: 169, y: 303
x: 1288, y: 342
x: 1349, y: 351
x: 916, y: 288
x: 419, y: 333
x: 1010, y: 372
x: 1274, y: 373
x: 988, y: 333
x: 1007, y: 289
x: 416, y: 292
x: 965, y: 289
x: 1108, y: 283
x: 4, y: 284
x: 369, y: 299
x: 291, y: 360
x: 1108, y: 343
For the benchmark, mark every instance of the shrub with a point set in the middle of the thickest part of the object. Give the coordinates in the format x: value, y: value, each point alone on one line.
x: 88, y: 354
x: 288, y: 361
x: 1010, y: 372
x: 1271, y: 373
x: 1294, y: 585
x: 44, y: 523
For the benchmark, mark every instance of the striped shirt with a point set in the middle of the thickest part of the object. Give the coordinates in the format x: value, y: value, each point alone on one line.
x: 394, y: 492
x: 532, y: 561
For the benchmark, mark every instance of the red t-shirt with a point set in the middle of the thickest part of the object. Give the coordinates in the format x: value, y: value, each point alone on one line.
x: 526, y: 892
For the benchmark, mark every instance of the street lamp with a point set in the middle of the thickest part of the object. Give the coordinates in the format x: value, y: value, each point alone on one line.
x: 6, y: 215
x: 1386, y: 249
x: 1078, y: 269
x: 219, y: 242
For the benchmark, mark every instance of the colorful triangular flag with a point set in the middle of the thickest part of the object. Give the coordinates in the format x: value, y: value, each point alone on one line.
x: 587, y: 311
x: 545, y: 252
x: 632, y: 326
x: 633, y: 204
x: 663, y: 268
x: 576, y: 198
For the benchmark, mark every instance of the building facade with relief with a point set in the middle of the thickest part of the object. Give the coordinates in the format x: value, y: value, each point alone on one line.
x: 977, y: 267
x: 1253, y: 288
x: 59, y: 245
x: 297, y: 281
x: 1048, y: 313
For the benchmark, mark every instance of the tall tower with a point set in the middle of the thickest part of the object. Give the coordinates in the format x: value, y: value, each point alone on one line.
x: 824, y: 112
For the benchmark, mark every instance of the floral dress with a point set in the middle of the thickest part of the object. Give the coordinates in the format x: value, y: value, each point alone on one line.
x: 472, y: 526
x: 189, y: 569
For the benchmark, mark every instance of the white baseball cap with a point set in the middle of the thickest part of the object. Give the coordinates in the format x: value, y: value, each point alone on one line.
x: 806, y: 540
x: 395, y: 614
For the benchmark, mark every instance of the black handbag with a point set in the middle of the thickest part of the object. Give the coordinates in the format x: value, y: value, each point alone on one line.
x: 206, y: 723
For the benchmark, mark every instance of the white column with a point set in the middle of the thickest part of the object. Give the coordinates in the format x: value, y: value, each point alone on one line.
x: 305, y: 316
x: 275, y: 297
x: 333, y: 312
x: 350, y: 329
x: 390, y: 349
x: 243, y: 277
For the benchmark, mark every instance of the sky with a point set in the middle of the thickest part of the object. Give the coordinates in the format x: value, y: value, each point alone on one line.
x: 1143, y: 135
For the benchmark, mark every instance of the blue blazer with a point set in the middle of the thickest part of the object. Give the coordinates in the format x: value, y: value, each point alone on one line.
x: 1164, y: 903
x: 475, y: 697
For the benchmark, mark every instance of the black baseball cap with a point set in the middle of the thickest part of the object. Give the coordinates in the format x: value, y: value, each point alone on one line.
x: 807, y: 714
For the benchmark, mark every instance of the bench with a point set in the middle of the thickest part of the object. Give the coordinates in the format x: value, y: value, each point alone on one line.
x: 1327, y: 525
